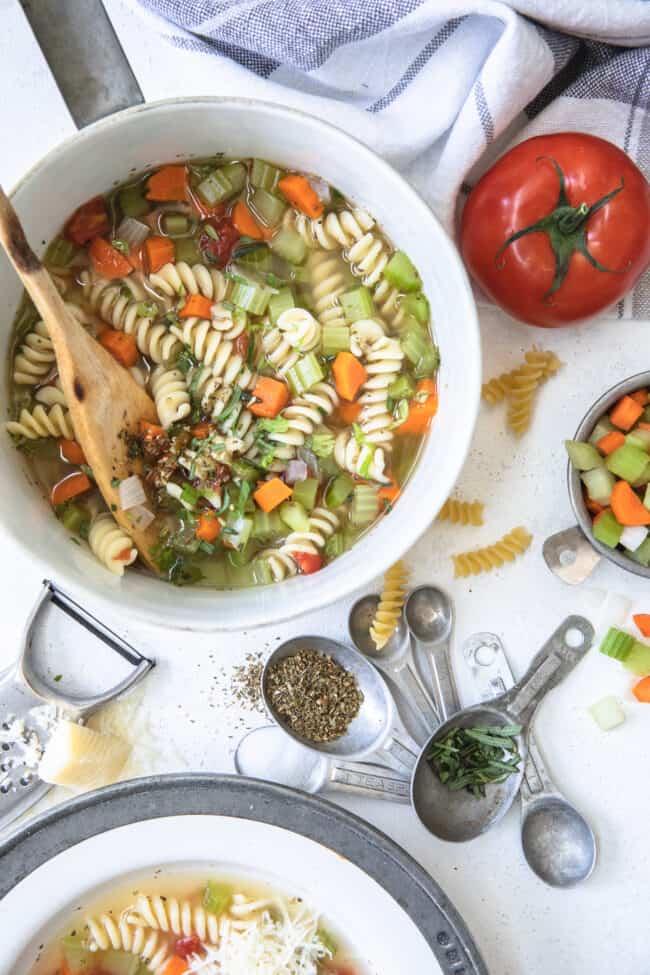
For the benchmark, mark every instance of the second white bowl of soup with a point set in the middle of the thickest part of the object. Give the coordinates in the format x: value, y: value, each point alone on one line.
x: 294, y: 367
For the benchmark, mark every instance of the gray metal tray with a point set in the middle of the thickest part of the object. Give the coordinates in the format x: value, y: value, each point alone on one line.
x: 225, y: 795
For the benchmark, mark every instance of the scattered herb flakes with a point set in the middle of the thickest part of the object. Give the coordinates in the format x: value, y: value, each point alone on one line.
x: 315, y: 695
x: 471, y: 758
x: 58, y: 678
x: 246, y: 683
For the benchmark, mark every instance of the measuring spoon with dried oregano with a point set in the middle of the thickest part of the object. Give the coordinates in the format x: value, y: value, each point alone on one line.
x: 328, y: 697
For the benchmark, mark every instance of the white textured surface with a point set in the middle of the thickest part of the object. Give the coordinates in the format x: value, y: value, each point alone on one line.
x: 519, y: 924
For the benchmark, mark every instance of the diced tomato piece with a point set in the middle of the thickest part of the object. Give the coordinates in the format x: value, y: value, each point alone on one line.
x: 217, y: 250
x: 188, y: 946
x: 307, y: 562
x: 89, y: 221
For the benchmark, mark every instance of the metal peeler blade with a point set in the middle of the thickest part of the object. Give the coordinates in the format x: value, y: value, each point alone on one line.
x: 30, y: 707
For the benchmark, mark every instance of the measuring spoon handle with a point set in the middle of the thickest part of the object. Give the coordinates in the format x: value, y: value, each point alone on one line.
x: 399, y: 752
x: 361, y: 779
x: 536, y: 779
x: 551, y: 664
x: 444, y: 685
x: 408, y: 682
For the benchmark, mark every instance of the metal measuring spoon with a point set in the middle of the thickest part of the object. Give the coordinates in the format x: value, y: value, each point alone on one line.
x: 429, y: 615
x: 375, y: 729
x: 395, y: 659
x: 458, y: 816
x: 265, y: 753
x: 557, y: 841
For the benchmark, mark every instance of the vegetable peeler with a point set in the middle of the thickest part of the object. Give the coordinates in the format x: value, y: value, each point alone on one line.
x: 30, y: 707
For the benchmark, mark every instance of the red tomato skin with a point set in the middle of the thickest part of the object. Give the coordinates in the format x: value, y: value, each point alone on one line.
x: 519, y: 190
x: 307, y: 562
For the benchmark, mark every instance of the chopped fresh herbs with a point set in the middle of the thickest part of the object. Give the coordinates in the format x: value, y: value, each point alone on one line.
x: 186, y: 360
x: 147, y: 309
x: 121, y: 246
x: 115, y: 482
x: 471, y: 758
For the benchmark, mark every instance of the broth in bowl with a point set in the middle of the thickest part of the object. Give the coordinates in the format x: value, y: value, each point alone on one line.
x: 286, y: 344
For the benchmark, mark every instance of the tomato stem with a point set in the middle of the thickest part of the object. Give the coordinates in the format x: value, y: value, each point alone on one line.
x: 566, y: 229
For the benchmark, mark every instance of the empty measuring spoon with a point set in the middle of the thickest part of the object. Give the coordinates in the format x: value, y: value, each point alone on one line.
x: 265, y: 753
x: 557, y: 841
x: 459, y: 816
x: 429, y: 615
x: 374, y: 731
x: 395, y: 660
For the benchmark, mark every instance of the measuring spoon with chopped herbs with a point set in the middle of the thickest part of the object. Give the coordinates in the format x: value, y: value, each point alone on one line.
x: 469, y: 772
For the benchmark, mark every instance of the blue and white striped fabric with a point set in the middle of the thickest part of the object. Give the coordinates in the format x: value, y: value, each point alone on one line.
x: 437, y: 87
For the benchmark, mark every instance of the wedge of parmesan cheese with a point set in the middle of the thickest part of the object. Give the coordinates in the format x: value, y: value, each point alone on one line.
x: 80, y: 758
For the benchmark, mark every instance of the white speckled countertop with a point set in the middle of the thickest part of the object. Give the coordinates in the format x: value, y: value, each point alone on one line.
x: 520, y: 925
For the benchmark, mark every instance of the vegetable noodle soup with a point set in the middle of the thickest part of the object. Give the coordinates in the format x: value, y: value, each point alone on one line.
x: 287, y: 347
x: 187, y: 923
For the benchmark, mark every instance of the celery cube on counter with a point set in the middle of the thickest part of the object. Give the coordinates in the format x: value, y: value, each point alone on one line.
x: 607, y: 713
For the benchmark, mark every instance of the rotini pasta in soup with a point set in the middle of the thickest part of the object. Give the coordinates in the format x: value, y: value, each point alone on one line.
x: 182, y: 923
x: 286, y: 344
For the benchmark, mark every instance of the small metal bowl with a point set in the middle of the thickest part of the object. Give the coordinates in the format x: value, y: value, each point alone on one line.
x: 573, y: 554
x: 369, y: 729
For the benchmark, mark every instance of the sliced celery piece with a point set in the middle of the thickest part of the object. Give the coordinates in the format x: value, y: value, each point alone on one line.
x: 187, y: 249
x: 627, y: 462
x: 599, y: 484
x: 617, y: 643
x: 304, y: 492
x: 339, y: 490
x: 257, y: 258
x: 257, y: 573
x: 583, y: 456
x: 416, y: 305
x: 335, y: 339
x: 119, y: 963
x: 78, y: 958
x: 606, y: 529
x: 335, y: 546
x: 304, y: 374
x: 419, y: 350
x: 294, y: 515
x: 243, y: 469
x: 637, y: 661
x: 365, y: 505
x: 607, y: 713
x: 642, y: 554
x: 237, y: 531
x: 132, y: 202
x: 327, y: 940
x: 265, y: 175
x: 289, y: 245
x: 282, y: 301
x: 222, y: 183
x: 646, y: 498
x: 175, y: 223
x: 639, y: 438
x: 60, y: 252
x: 644, y: 478
x: 267, y: 207
x: 402, y: 388
x: 217, y: 897
x: 267, y: 526
x: 250, y: 296
x: 74, y: 518
x: 402, y: 273
x: 357, y: 304
x: 602, y: 428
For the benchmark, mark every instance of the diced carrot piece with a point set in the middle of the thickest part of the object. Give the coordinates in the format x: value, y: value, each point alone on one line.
x: 89, y: 221
x: 168, y: 185
x: 70, y: 487
x: 643, y: 426
x: 176, y: 966
x: 107, y: 261
x: 159, y: 251
x: 348, y: 412
x: 626, y: 412
x: 246, y: 223
x: 197, y: 306
x: 125, y: 554
x: 593, y: 506
x: 390, y: 492
x: 640, y: 396
x: 349, y: 375
x: 71, y: 451
x: 202, y: 430
x: 627, y: 507
x: 422, y: 412
x: 272, y: 493
x: 136, y: 258
x: 208, y: 526
x: 641, y: 690
x: 121, y: 346
x: 611, y: 442
x: 642, y: 621
x: 150, y: 430
x: 301, y: 194
x: 270, y: 396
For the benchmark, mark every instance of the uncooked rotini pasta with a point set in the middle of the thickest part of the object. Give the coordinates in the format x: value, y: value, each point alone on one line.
x: 39, y: 422
x: 110, y: 544
x: 496, y: 389
x: 519, y: 387
x: 462, y: 512
x: 177, y: 279
x: 170, y: 395
x: 492, y: 556
x: 390, y: 605
x: 105, y: 933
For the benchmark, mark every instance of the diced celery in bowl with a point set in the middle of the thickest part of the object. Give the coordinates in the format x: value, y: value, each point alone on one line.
x: 614, y: 467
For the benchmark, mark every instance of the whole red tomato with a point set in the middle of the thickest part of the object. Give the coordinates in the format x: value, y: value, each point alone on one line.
x: 558, y: 229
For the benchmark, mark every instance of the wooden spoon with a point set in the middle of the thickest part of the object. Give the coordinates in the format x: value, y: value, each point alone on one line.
x: 104, y: 399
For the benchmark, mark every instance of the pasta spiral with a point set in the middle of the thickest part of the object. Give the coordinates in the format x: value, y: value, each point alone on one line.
x: 496, y: 389
x: 365, y: 459
x: 492, y: 556
x: 327, y: 280
x: 382, y: 362
x: 521, y: 398
x: 40, y: 422
x: 170, y: 395
x: 110, y: 544
x: 322, y: 524
x: 537, y: 363
x: 35, y: 358
x: 178, y: 917
x: 51, y: 395
x: 112, y: 302
x: 178, y: 279
x: 390, y: 605
x: 106, y: 933
x: 462, y: 512
x: 336, y: 230
x: 296, y: 331
x: 214, y: 351
x: 303, y: 414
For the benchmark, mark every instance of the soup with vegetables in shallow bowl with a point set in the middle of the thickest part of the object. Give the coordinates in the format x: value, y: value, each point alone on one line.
x: 286, y: 343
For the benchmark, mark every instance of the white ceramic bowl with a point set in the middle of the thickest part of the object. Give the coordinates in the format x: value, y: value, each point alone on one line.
x: 140, y: 137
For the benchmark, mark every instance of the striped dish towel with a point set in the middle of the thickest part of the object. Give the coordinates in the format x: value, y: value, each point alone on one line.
x: 437, y: 87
